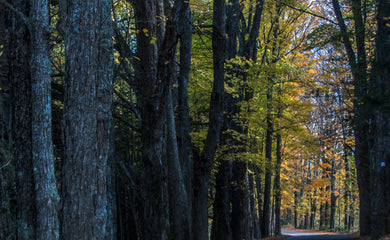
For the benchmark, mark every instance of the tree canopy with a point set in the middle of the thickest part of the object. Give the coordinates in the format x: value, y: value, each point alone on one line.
x: 223, y: 119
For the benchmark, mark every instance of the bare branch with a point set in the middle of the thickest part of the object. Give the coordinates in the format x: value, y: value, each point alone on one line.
x: 311, y: 13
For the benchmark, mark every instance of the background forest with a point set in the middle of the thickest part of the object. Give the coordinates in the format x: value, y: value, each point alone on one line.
x: 176, y: 119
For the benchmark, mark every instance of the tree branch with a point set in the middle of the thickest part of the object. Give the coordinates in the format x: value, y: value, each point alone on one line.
x: 311, y: 13
x: 18, y: 12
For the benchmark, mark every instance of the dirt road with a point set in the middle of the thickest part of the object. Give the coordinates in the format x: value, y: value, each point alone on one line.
x: 295, y: 235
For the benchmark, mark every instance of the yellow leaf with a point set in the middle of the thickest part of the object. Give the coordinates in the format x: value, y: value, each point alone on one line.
x: 153, y: 40
x: 146, y: 32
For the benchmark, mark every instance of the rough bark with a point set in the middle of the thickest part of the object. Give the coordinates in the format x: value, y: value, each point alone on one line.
x: 86, y: 116
x: 380, y: 158
x: 47, y: 198
x: 19, y: 46
x: 105, y: 134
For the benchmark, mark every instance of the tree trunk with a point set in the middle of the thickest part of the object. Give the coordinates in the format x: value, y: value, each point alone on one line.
x: 332, y: 195
x: 252, y: 219
x: 203, y: 163
x: 87, y: 115
x: 19, y: 49
x: 313, y: 211
x: 183, y: 116
x: 259, y: 198
x: 362, y: 113
x: 221, y: 214
x: 47, y: 198
x: 266, y: 221
x: 178, y: 201
x: 277, y: 186
x: 380, y: 159
x: 105, y: 135
x: 296, y: 216
x: 151, y: 83
x: 240, y: 201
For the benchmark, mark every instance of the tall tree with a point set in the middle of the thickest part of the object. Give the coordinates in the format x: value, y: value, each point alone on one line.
x: 19, y: 50
x: 86, y: 114
x: 105, y: 127
x: 178, y: 140
x: 47, y: 198
x: 370, y: 123
x: 359, y: 73
x: 183, y: 112
x: 203, y: 161
x: 160, y: 25
x: 380, y: 159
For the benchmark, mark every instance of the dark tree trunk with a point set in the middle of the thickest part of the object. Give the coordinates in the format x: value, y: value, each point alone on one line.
x: 380, y: 159
x: 19, y: 76
x: 277, y: 186
x: 203, y: 163
x: 178, y: 201
x: 327, y: 213
x: 313, y: 215
x: 87, y: 119
x: 183, y: 115
x: 332, y: 195
x: 296, y: 205
x: 151, y: 93
x: 253, y: 220
x: 322, y: 216
x: 47, y: 198
x: 179, y: 141
x: 240, y: 201
x: 258, y: 180
x: 221, y: 227
x: 105, y: 128
x: 5, y: 182
x: 221, y: 215
x: 266, y: 220
x: 358, y: 69
x: 241, y: 216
